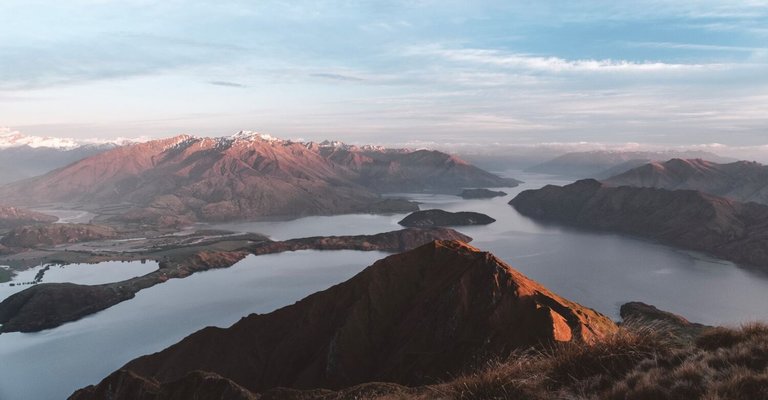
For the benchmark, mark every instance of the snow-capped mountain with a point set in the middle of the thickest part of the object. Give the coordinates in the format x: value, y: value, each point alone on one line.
x: 24, y: 156
x: 11, y: 139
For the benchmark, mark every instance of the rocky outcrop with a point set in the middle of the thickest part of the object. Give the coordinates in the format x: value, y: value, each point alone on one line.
x: 55, y: 234
x: 171, y: 181
x: 411, y: 318
x: 48, y: 305
x: 642, y: 314
x: 428, y: 218
x: 12, y: 217
x: 689, y: 219
x: 481, y: 194
x: 742, y: 181
x: 126, y: 385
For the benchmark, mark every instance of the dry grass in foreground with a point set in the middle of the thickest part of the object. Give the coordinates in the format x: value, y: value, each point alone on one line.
x: 640, y: 362
x: 636, y: 363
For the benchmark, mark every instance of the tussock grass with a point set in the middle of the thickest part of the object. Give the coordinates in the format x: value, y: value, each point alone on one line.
x: 637, y: 363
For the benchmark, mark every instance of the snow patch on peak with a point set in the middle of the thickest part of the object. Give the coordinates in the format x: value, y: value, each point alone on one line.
x: 251, y: 136
x: 180, y: 142
x: 335, y: 144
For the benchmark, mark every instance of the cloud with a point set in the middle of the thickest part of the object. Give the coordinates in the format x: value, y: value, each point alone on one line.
x: 694, y: 46
x: 337, y: 77
x: 52, y: 62
x: 551, y: 64
x: 227, y: 84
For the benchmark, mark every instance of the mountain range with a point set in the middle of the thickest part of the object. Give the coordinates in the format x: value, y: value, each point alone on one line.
x: 742, y: 180
x: 248, y: 175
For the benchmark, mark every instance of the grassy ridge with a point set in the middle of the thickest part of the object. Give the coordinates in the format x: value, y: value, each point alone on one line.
x: 722, y: 363
x: 637, y: 363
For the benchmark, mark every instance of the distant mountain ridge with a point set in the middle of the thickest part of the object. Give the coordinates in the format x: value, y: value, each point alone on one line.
x: 15, y: 139
x: 247, y: 175
x: 600, y: 164
x: 24, y: 156
x: 741, y: 180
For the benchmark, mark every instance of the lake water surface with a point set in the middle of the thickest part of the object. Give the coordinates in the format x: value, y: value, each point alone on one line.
x: 51, y: 364
x: 84, y: 274
x: 599, y: 270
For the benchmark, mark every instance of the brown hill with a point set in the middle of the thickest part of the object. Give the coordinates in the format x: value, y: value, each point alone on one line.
x: 11, y: 217
x: 181, y: 179
x: 410, y: 318
x: 743, y: 181
x: 686, y: 218
x: 54, y: 234
x: 399, y: 170
x: 636, y: 362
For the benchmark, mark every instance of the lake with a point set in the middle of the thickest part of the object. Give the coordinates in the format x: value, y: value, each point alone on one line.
x: 52, y: 364
x: 598, y: 270
x: 84, y: 274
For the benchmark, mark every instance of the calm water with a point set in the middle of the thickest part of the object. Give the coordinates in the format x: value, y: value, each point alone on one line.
x: 599, y: 270
x: 602, y: 271
x: 53, y: 363
x: 85, y: 274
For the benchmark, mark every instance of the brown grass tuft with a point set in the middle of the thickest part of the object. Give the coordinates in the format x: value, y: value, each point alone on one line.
x: 637, y: 363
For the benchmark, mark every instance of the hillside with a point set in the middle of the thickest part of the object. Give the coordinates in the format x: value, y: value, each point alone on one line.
x: 248, y: 175
x: 411, y: 318
x: 742, y: 180
x: 689, y: 219
x: 12, y: 217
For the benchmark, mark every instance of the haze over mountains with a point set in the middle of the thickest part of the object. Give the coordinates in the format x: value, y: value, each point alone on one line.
x: 600, y: 164
x: 23, y: 156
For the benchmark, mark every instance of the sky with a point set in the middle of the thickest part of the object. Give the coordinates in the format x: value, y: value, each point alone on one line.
x: 666, y: 73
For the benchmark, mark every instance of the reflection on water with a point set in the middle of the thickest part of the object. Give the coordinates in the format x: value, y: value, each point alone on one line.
x: 84, y: 274
x: 599, y: 270
x: 52, y: 364
x: 349, y: 224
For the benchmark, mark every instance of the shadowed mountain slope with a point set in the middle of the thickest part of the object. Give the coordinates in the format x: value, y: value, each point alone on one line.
x: 411, y: 318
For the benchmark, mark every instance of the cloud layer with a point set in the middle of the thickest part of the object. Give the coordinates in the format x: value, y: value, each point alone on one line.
x: 664, y: 72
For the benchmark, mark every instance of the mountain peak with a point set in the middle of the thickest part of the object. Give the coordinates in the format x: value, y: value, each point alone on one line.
x: 253, y: 135
x: 411, y: 318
